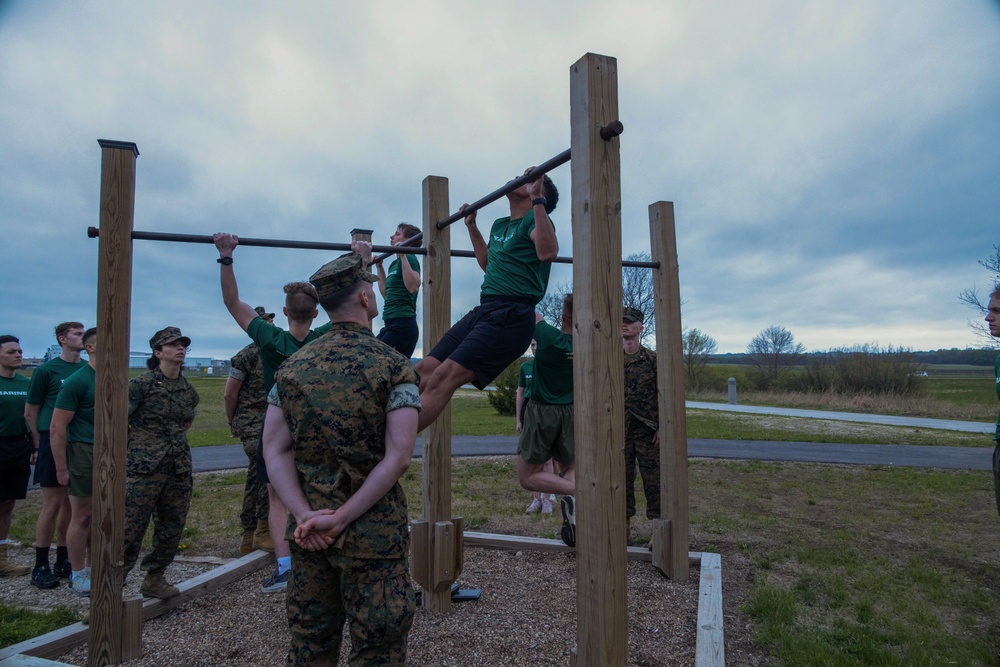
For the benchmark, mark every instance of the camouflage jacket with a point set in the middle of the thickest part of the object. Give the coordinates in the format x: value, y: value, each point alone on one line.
x: 160, y: 411
x: 251, y: 401
x: 335, y: 394
x: 641, y: 391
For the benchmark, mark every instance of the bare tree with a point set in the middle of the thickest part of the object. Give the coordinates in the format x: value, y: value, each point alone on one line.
x: 772, y: 351
x: 637, y: 292
x: 551, y: 304
x: 697, y: 346
x: 971, y: 297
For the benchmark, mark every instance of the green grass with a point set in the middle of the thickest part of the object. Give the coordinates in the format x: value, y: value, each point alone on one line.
x: 17, y: 624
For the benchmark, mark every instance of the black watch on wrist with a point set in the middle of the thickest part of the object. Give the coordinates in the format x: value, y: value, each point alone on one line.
x: 225, y: 261
x: 539, y: 200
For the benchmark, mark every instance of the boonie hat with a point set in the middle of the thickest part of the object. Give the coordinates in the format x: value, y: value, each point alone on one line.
x: 340, y: 273
x: 632, y: 315
x: 168, y: 335
x: 260, y: 310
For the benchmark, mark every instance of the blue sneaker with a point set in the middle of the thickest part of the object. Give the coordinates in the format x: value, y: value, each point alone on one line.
x: 80, y: 583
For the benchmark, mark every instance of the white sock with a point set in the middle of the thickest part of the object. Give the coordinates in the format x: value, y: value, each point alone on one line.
x: 284, y: 564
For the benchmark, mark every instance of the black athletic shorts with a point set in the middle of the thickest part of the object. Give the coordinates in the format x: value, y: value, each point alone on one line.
x: 400, y: 333
x: 45, y: 465
x: 489, y: 338
x: 15, y: 466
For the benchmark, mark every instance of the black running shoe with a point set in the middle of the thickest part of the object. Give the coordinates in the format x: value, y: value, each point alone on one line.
x: 568, y: 532
x: 63, y: 570
x: 42, y: 577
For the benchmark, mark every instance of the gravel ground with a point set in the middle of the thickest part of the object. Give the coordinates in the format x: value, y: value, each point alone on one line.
x: 525, y: 616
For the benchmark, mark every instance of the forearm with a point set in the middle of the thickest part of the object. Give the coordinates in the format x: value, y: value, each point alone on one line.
x: 230, y: 396
x: 57, y: 436
x: 544, y: 236
x: 31, y: 416
x: 411, y: 279
x: 381, y: 279
x: 478, y: 246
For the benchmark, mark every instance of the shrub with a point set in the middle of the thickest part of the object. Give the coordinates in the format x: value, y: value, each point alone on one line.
x: 504, y: 398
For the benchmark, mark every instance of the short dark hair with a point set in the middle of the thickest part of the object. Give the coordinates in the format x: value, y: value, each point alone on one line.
x: 409, y: 231
x: 300, y: 300
x: 334, y: 300
x: 568, y: 305
x: 63, y: 327
x: 7, y: 338
x: 995, y: 294
x: 89, y: 334
x: 551, y: 194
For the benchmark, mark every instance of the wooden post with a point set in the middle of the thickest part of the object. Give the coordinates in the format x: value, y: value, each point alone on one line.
x: 670, y: 542
x: 114, y: 310
x: 598, y: 365
x: 437, y: 436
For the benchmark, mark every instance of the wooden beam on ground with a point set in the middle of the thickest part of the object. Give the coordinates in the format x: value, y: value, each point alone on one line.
x: 114, y: 309
x: 518, y: 543
x: 710, y: 649
x: 58, y: 642
x: 598, y: 365
x: 673, y: 522
x: 437, y: 437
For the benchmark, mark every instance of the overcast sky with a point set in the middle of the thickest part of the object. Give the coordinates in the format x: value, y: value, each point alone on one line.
x: 835, y: 166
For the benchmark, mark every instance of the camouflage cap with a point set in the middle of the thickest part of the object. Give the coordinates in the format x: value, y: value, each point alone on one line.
x: 168, y: 335
x: 262, y: 311
x: 632, y: 315
x: 340, y: 273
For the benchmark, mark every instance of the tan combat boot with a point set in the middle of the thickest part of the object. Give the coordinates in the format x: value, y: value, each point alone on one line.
x: 262, y: 537
x: 8, y: 569
x: 247, y: 545
x: 155, y: 586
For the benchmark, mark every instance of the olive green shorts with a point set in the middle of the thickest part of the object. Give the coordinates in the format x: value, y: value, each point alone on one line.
x: 547, y: 434
x: 80, y: 462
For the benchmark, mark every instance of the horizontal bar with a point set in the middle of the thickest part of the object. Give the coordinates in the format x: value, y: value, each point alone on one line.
x: 94, y: 232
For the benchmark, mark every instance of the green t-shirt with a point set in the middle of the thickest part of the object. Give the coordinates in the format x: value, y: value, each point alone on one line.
x: 45, y: 384
x: 77, y: 396
x: 552, y: 383
x: 13, y: 393
x: 513, y: 268
x: 399, y: 301
x: 276, y: 345
x: 525, y: 375
x: 996, y: 374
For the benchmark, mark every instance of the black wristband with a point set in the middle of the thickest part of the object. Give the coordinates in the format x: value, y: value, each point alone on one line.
x: 539, y: 200
x: 225, y: 261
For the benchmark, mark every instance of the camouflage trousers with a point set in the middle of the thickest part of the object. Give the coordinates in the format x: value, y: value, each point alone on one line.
x: 639, y: 447
x: 373, y: 596
x: 255, y: 502
x: 165, y: 497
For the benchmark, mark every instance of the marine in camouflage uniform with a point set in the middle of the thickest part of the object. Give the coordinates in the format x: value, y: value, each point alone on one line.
x: 247, y: 424
x: 159, y: 480
x: 641, y: 417
x: 336, y: 396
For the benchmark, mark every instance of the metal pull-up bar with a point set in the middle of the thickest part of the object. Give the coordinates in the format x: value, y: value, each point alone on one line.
x: 608, y: 132
x: 94, y: 232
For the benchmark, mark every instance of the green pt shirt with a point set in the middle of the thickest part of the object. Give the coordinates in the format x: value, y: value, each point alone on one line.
x: 13, y: 393
x: 399, y: 301
x: 513, y: 268
x: 276, y: 345
x: 77, y: 396
x: 552, y: 382
x: 525, y: 375
x: 45, y: 384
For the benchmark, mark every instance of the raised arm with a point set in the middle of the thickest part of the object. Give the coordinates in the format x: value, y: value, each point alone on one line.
x: 478, y: 243
x: 241, y: 311
x: 381, y: 278
x: 544, y: 233
x: 411, y: 279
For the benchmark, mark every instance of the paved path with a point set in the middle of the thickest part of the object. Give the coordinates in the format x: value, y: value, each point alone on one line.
x: 224, y: 457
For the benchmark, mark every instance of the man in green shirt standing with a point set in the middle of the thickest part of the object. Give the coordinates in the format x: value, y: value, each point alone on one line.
x: 55, y: 513
x: 399, y: 289
x: 993, y: 319
x: 16, y: 449
x: 72, y: 431
x: 517, y: 259
x: 275, y: 345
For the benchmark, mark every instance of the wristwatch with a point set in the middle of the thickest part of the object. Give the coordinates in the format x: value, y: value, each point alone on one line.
x: 539, y: 200
x: 225, y: 261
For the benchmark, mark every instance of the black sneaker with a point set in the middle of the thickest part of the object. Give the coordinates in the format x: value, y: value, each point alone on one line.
x: 568, y: 532
x: 42, y: 577
x: 63, y: 570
